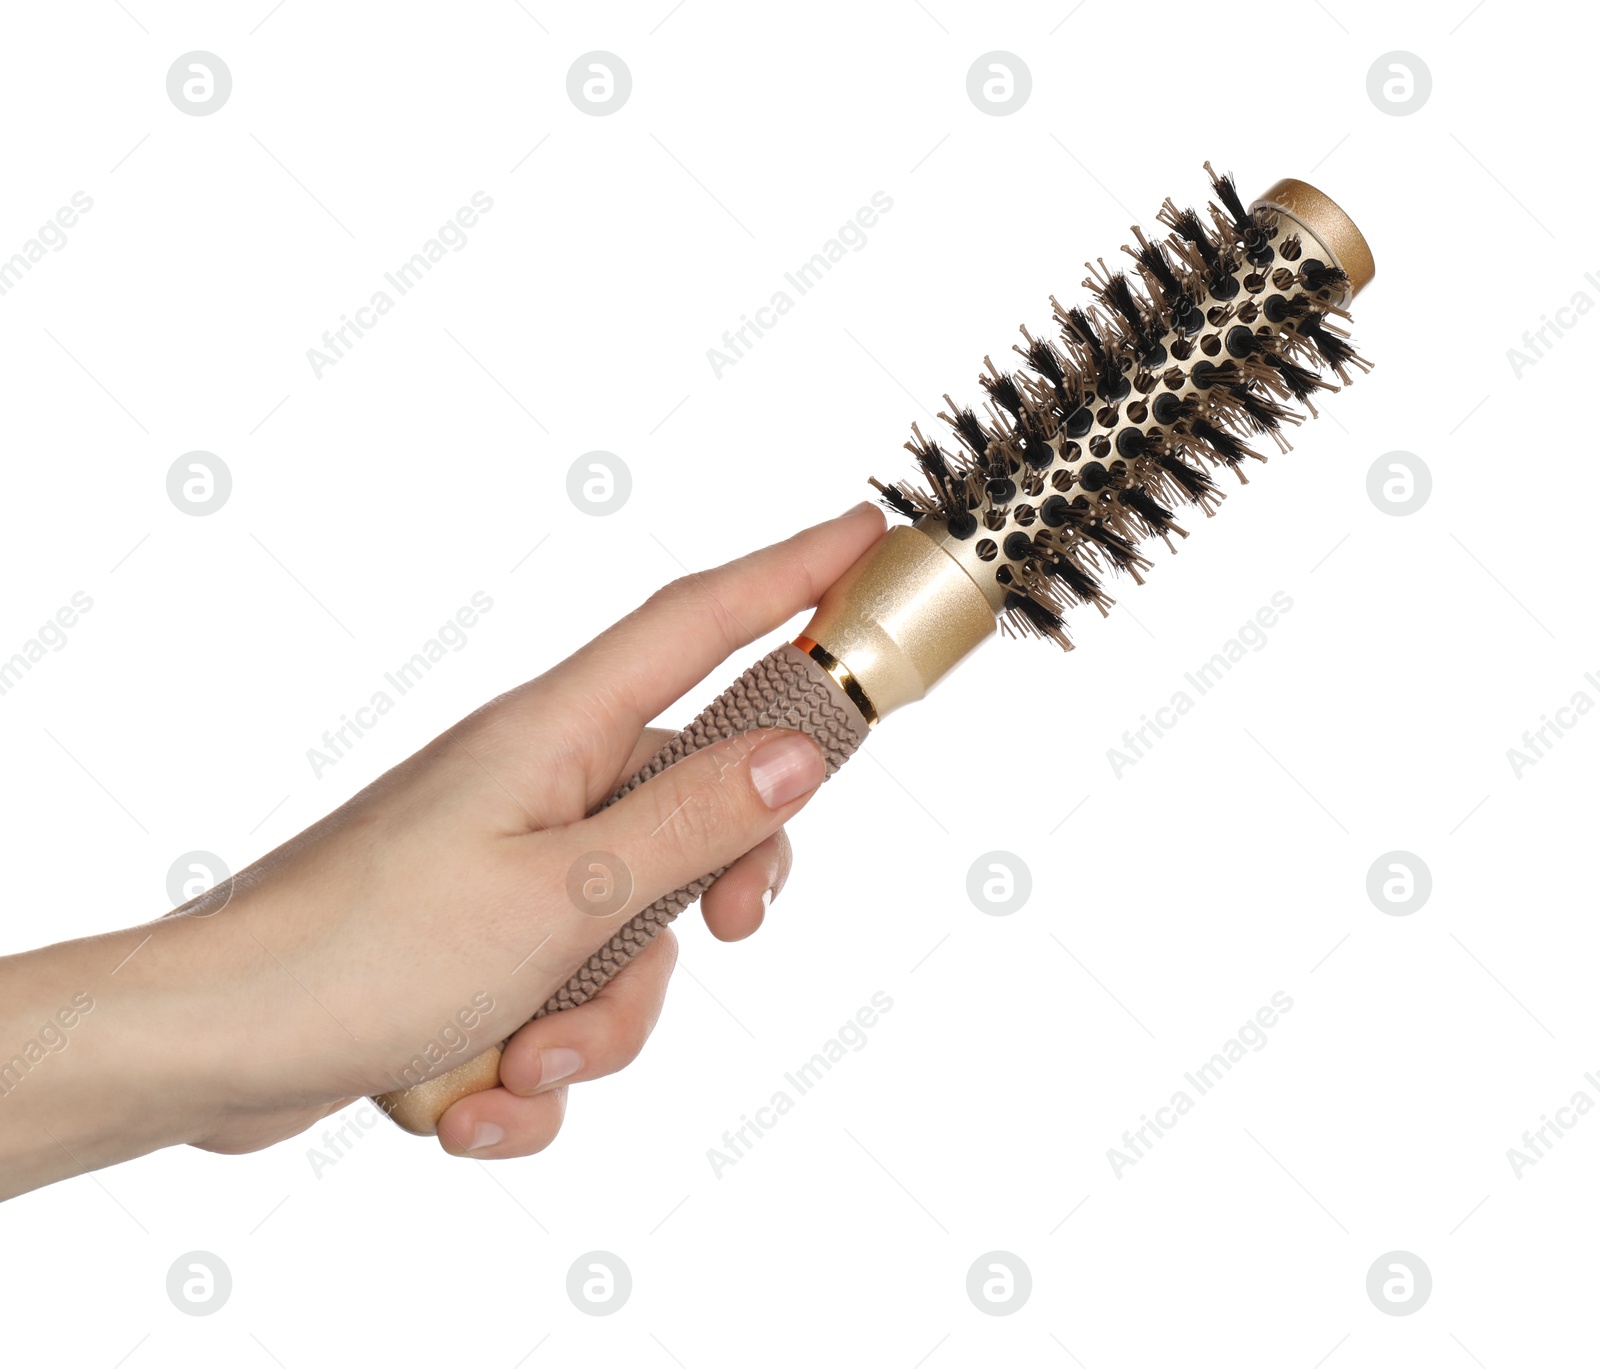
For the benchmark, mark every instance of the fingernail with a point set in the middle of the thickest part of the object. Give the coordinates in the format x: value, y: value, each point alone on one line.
x: 785, y: 769
x: 766, y: 900
x: 488, y: 1134
x: 856, y: 508
x: 557, y: 1063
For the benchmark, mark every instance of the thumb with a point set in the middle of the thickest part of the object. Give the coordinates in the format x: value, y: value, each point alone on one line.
x: 704, y: 812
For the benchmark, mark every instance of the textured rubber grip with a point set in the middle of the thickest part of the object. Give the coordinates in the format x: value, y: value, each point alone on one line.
x: 784, y: 689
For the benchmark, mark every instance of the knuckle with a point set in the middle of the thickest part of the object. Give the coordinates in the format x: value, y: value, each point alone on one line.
x: 693, y: 819
x: 711, y: 798
x: 670, y: 598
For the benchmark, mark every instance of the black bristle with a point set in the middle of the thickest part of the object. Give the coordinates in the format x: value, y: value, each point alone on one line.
x: 1121, y: 551
x: 1037, y: 452
x: 968, y: 429
x: 1153, y: 260
x: 1335, y: 350
x: 1241, y: 342
x: 1225, y: 190
x: 1017, y: 547
x: 1167, y: 408
x: 1119, y: 294
x: 1033, y: 617
x: 1262, y: 413
x: 948, y: 487
x: 1189, y: 227
x: 1093, y: 476
x: 1218, y: 276
x: 1252, y: 234
x: 1282, y: 308
x: 1140, y: 500
x: 1003, y: 390
x: 895, y: 499
x: 1042, y: 357
x: 1196, y: 484
x: 1076, y: 578
x: 1299, y: 382
x: 1082, y: 327
x: 1112, y: 384
x: 1055, y: 511
x: 1132, y: 444
x: 1316, y: 275
x: 932, y: 461
x: 1224, y: 444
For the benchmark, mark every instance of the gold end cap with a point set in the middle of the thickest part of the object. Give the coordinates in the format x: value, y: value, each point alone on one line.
x: 1328, y: 224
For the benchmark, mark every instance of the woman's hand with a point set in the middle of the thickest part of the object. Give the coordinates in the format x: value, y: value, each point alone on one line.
x: 429, y: 917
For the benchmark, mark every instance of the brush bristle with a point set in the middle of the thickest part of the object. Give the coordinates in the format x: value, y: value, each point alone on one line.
x: 1111, y: 426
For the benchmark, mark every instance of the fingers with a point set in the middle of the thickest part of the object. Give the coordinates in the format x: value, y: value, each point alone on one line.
x: 495, y: 1125
x: 702, y: 813
x: 663, y: 649
x: 736, y: 904
x: 522, y: 1116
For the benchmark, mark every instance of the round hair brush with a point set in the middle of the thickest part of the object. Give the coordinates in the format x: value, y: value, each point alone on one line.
x: 1218, y: 338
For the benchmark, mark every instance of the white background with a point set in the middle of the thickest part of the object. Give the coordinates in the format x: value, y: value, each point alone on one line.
x: 1227, y: 865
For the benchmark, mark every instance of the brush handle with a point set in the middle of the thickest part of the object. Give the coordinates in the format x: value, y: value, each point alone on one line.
x: 786, y: 688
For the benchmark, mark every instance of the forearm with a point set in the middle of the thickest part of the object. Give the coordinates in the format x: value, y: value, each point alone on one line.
x: 99, y: 1061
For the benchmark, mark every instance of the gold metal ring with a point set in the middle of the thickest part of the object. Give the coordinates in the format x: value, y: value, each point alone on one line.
x: 839, y: 672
